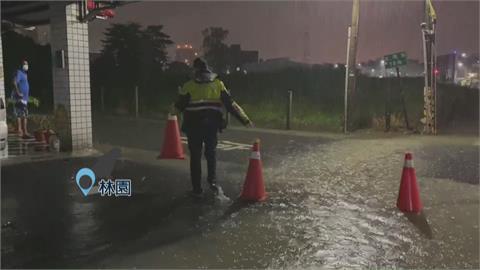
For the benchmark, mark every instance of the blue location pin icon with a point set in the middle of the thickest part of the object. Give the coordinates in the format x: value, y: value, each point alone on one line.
x: 90, y: 174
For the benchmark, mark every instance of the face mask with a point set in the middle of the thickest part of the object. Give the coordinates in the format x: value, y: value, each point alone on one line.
x: 25, y: 67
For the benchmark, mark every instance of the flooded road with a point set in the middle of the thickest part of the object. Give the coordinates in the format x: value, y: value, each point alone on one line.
x: 348, y: 216
x: 331, y: 204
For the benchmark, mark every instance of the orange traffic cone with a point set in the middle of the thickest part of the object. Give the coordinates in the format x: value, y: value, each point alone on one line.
x: 254, y: 188
x: 409, y: 195
x: 172, y: 145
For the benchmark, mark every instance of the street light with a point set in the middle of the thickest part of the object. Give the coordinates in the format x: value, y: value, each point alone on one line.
x: 335, y: 66
x: 382, y: 62
x: 464, y: 55
x: 460, y: 64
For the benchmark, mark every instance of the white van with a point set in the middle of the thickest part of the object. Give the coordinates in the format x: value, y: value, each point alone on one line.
x: 3, y: 129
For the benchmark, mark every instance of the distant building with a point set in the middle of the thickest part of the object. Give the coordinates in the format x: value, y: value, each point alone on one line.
x: 446, y: 66
x: 459, y: 68
x: 238, y: 58
x: 274, y: 64
x: 185, y: 53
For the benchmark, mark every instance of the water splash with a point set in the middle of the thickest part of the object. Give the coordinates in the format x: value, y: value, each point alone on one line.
x: 221, y: 197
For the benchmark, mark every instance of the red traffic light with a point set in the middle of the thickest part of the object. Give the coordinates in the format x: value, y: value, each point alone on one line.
x: 91, y: 5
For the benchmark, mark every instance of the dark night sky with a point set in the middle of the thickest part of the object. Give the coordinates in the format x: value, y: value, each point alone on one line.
x: 277, y: 29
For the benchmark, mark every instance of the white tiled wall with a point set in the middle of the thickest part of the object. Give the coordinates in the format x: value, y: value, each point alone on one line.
x: 72, y: 84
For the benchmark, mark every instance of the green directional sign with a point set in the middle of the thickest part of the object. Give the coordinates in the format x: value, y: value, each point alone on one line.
x: 395, y: 60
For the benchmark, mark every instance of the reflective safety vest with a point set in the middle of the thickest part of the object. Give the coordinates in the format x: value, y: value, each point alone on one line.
x: 203, y: 95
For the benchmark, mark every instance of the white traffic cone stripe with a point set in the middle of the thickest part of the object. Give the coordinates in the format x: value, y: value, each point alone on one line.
x: 408, y: 163
x: 172, y: 117
x: 255, y: 155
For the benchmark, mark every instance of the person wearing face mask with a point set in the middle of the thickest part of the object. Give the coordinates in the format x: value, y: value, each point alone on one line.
x: 20, y: 94
x: 201, y: 100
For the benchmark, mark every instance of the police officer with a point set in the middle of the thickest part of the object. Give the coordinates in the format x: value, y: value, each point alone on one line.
x: 201, y: 100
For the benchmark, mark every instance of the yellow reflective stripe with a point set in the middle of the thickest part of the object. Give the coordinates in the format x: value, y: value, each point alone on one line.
x: 221, y: 85
x: 203, y: 91
x: 240, y: 111
x: 206, y: 101
x: 203, y: 108
x: 182, y: 90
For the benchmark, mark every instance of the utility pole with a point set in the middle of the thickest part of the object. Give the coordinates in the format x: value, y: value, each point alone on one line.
x: 430, y: 70
x: 136, y: 101
x: 102, y: 98
x: 289, y: 108
x: 350, y: 66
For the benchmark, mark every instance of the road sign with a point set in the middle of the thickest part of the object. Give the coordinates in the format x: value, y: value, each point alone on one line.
x: 395, y: 60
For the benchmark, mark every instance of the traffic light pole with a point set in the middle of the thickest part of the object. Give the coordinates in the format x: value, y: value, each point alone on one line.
x: 347, y: 73
x: 350, y: 67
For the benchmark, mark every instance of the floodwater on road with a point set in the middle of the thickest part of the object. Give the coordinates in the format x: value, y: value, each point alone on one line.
x: 334, y: 206
x: 329, y: 205
x: 347, y: 217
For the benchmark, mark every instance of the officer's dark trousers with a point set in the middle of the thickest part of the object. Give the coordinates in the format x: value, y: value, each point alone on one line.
x: 196, y: 139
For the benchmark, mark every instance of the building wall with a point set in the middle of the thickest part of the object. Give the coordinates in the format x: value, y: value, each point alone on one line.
x: 71, y: 84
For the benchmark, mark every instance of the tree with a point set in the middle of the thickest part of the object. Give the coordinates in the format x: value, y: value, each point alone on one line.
x: 132, y: 56
x: 153, y: 52
x: 158, y: 42
x: 122, y: 45
x: 214, y: 47
x: 136, y: 52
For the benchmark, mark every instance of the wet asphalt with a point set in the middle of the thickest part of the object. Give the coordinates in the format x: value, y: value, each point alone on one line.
x: 331, y: 204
